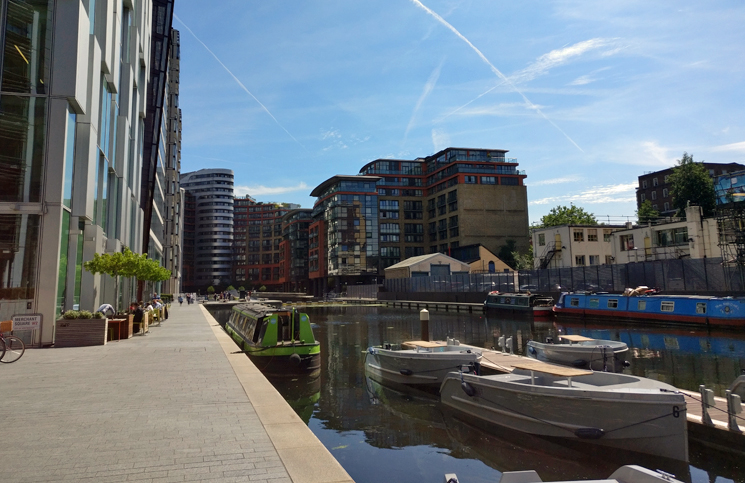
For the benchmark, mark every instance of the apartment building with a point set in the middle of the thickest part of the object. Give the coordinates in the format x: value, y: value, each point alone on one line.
x: 293, y: 261
x: 397, y: 209
x: 209, y: 198
x: 258, y: 235
x: 656, y: 187
x: 73, y: 97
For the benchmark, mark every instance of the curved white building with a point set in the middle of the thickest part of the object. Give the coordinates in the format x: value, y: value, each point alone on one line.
x: 212, y: 192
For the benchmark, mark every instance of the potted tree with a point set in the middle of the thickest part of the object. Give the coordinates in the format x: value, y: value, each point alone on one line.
x: 80, y: 328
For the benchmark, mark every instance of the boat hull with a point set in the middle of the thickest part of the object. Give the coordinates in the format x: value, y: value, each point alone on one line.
x: 519, y: 304
x: 663, y: 309
x: 416, y: 367
x: 623, y: 412
x: 598, y: 355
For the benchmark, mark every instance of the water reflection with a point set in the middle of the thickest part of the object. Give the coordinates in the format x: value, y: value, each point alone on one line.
x: 381, y: 433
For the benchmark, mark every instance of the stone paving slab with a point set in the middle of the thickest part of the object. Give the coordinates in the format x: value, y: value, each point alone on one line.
x: 171, y: 406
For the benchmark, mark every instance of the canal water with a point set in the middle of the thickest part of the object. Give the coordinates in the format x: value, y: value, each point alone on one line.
x: 396, y: 434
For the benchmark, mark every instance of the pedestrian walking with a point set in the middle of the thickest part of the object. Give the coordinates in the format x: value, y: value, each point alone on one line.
x: 180, y: 300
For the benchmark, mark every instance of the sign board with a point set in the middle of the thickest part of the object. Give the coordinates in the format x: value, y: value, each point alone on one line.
x: 27, y: 322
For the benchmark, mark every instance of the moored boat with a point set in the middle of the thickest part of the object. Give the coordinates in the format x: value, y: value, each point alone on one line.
x: 280, y: 342
x: 619, y: 411
x: 522, y: 303
x: 686, y: 309
x: 424, y: 365
x: 582, y: 352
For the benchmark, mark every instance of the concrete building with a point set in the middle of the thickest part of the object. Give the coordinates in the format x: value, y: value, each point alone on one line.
x: 573, y: 245
x: 73, y: 92
x: 479, y: 259
x: 584, y: 245
x: 210, y: 237
x: 656, y: 187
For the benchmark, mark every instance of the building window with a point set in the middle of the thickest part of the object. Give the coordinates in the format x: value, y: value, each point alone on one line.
x: 654, y: 195
x: 541, y: 239
x: 654, y: 206
x: 643, y: 197
x: 470, y: 179
x: 654, y: 181
x: 579, y: 260
x: 609, y: 259
x: 644, y: 184
x: 664, y: 192
x: 488, y: 180
x: 592, y: 235
x: 594, y: 259
x: 627, y: 242
x: 607, y: 235
x: 579, y: 235
x: 666, y: 206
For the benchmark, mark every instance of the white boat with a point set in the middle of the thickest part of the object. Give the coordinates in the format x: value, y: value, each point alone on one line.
x: 619, y: 411
x: 624, y: 474
x: 582, y: 352
x: 426, y: 364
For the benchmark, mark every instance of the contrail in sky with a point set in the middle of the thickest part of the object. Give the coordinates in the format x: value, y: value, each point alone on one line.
x: 494, y: 69
x: 431, y: 82
x: 237, y: 80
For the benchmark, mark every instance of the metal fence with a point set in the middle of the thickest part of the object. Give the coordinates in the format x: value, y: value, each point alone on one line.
x: 676, y: 275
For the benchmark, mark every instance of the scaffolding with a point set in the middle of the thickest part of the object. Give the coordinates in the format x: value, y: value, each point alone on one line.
x: 730, y: 213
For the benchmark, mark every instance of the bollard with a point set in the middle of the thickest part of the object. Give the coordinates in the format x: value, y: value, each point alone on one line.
x: 424, y: 322
x: 707, y: 401
x: 734, y: 407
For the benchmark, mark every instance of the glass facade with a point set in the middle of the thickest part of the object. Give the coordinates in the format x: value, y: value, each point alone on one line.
x: 19, y: 239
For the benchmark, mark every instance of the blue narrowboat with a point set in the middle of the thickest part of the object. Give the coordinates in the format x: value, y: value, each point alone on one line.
x: 688, y: 309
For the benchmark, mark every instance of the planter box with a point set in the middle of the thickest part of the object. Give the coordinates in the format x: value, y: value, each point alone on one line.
x: 80, y: 332
x: 124, y: 326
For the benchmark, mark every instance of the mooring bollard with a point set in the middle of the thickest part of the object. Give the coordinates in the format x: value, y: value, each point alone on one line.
x: 707, y: 401
x: 424, y: 322
x: 734, y: 407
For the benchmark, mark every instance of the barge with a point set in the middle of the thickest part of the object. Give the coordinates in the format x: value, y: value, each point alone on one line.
x: 520, y: 303
x: 696, y: 310
x: 280, y: 342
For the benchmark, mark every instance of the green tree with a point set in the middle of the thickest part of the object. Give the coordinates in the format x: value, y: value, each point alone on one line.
x: 691, y: 184
x: 506, y: 253
x: 567, y: 215
x: 230, y: 287
x: 646, y: 213
x: 523, y: 261
x: 210, y: 290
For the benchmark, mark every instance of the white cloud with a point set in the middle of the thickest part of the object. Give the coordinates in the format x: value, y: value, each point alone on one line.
x: 657, y: 154
x: 262, y: 190
x: 440, y: 139
x: 736, y: 147
x: 558, y: 57
x: 565, y: 179
x: 619, y: 193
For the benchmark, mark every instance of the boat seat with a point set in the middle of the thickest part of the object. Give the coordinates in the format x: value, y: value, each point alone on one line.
x: 527, y: 476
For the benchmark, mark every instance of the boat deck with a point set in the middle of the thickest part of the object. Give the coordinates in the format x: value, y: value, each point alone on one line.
x: 717, y: 435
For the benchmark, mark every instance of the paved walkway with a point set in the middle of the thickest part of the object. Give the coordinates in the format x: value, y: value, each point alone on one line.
x: 173, y: 405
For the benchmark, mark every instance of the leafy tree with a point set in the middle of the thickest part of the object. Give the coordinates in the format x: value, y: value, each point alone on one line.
x: 646, y: 213
x: 210, y: 290
x: 230, y: 287
x: 691, y: 184
x: 241, y: 288
x: 523, y: 261
x: 506, y: 253
x: 567, y: 215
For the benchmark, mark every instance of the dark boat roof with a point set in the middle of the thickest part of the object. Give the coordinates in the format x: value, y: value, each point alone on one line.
x: 257, y: 310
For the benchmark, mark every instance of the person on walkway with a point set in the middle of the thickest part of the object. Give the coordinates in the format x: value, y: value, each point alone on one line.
x: 107, y: 310
x: 180, y: 300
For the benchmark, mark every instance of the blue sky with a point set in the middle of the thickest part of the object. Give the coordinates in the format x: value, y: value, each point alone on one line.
x: 586, y: 95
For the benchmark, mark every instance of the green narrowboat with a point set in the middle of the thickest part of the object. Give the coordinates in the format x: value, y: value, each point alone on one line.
x: 279, y: 341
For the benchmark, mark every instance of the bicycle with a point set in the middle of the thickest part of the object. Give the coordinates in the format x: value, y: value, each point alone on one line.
x: 11, y: 348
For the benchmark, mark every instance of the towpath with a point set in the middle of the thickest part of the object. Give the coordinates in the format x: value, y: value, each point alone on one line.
x: 173, y: 405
